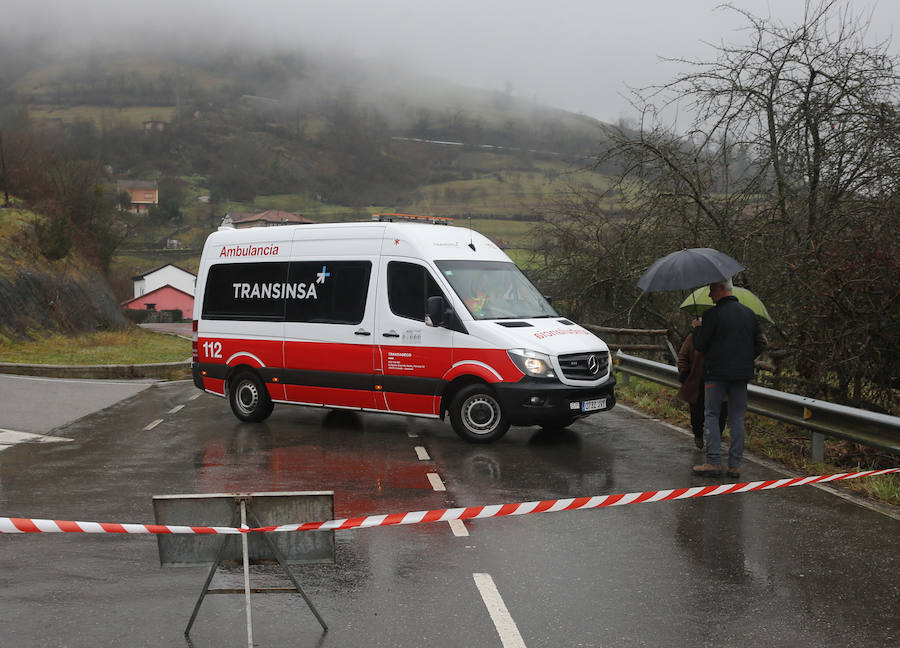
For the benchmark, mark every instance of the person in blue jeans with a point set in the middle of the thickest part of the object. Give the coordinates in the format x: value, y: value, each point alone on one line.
x: 730, y: 338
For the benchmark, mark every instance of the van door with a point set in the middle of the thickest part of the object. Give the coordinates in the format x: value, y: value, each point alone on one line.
x: 413, y: 358
x: 328, y: 332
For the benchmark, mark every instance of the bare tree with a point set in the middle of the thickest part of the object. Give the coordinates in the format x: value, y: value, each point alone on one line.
x: 791, y: 160
x: 815, y: 107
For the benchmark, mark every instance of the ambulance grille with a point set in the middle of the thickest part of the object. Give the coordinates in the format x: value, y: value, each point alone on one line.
x: 585, y: 366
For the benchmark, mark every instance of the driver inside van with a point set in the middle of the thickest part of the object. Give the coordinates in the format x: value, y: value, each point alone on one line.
x: 488, y: 293
x: 477, y: 297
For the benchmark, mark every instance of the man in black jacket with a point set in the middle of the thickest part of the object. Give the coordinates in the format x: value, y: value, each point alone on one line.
x: 730, y: 337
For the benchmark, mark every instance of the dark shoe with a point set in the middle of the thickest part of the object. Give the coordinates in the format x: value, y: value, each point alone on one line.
x: 707, y: 470
x: 698, y: 441
x: 734, y: 473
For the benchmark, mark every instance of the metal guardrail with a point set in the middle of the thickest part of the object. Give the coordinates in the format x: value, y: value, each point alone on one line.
x: 821, y: 418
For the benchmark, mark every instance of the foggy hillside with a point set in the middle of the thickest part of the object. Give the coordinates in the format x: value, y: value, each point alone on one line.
x: 240, y: 128
x: 279, y: 80
x: 240, y: 121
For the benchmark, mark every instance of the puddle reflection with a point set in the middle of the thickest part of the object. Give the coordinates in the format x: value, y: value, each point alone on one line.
x: 712, y: 532
x: 333, y: 451
x: 551, y: 464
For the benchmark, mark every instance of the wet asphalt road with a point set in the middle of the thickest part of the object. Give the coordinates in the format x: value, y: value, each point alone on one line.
x: 793, y: 567
x: 35, y: 404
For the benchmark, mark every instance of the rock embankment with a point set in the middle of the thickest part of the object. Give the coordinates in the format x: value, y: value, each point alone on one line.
x: 75, y: 301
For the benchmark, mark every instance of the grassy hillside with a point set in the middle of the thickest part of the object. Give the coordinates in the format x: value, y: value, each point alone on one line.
x: 40, y: 296
x: 15, y: 248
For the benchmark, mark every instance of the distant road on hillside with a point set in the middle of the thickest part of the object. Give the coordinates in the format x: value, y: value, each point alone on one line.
x: 488, y: 147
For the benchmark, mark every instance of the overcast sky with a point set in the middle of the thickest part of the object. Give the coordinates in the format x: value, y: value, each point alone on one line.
x: 574, y: 54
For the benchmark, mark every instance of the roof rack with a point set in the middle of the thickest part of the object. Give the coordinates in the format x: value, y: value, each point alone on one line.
x: 389, y: 218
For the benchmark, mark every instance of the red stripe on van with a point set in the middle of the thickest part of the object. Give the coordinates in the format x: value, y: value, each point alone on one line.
x: 329, y: 356
x: 491, y: 365
x: 215, y: 385
x: 255, y: 353
x: 330, y: 396
x: 414, y: 403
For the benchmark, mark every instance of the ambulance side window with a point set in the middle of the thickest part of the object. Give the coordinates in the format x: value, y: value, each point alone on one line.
x: 409, y: 287
x: 245, y: 291
x: 327, y: 292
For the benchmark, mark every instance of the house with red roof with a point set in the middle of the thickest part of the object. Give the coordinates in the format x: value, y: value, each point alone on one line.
x: 268, y: 218
x: 143, y: 194
x: 166, y: 288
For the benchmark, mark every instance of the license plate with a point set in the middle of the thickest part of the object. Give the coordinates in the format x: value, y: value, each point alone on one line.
x: 591, y: 405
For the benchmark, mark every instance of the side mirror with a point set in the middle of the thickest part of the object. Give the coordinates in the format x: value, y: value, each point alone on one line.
x: 549, y: 299
x: 435, y: 311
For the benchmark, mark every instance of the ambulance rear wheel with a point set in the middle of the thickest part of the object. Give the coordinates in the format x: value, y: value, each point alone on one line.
x: 476, y: 415
x: 249, y: 397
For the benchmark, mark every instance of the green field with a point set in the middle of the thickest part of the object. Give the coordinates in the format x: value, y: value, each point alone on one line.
x: 504, y: 193
x: 131, y: 346
x: 103, y: 116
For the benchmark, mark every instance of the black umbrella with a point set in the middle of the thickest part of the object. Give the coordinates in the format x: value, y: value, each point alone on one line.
x: 688, y: 269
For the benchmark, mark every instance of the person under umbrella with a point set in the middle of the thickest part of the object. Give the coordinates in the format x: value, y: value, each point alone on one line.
x: 730, y: 337
x: 690, y: 361
x: 685, y: 270
x: 690, y: 375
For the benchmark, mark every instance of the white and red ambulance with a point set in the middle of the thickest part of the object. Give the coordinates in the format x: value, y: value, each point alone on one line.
x: 387, y: 316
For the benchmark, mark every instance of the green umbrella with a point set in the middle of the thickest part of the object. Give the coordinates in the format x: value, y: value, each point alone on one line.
x: 699, y: 301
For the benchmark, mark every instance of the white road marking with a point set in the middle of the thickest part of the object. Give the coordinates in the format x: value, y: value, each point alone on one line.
x: 436, y: 482
x: 176, y: 409
x: 422, y: 454
x: 503, y: 622
x: 412, y: 435
x: 459, y: 529
x: 9, y: 438
x: 197, y: 395
x: 153, y: 425
x: 14, y: 436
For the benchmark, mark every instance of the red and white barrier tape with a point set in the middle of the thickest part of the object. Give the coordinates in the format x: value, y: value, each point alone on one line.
x: 25, y: 525
x: 572, y: 504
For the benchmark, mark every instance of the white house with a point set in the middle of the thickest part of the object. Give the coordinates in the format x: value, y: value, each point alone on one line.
x: 167, y: 275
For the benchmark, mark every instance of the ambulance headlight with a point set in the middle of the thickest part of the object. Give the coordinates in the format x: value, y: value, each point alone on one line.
x: 532, y: 363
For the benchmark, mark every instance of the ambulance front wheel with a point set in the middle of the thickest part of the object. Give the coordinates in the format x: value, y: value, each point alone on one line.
x: 249, y: 397
x: 476, y: 414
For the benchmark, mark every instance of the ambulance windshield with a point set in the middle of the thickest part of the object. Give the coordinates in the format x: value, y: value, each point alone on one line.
x: 495, y: 290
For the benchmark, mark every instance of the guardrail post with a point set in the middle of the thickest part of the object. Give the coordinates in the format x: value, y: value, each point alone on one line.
x: 817, y: 447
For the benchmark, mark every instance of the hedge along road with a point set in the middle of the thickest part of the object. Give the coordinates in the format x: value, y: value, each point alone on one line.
x: 796, y: 567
